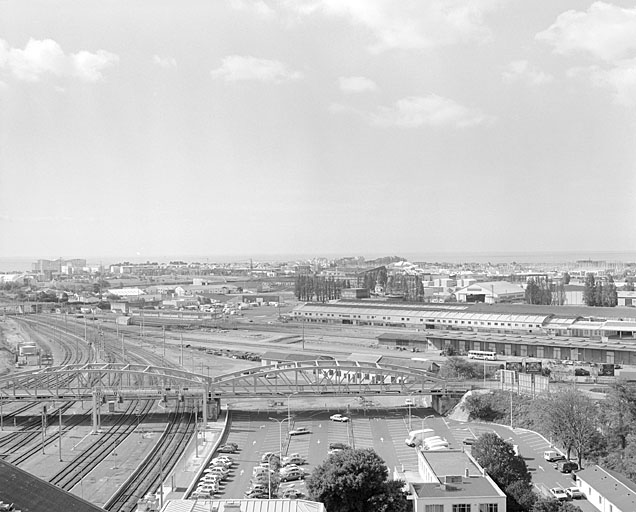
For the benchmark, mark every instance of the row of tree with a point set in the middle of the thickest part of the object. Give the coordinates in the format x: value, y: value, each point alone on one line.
x: 599, y: 293
x: 318, y: 288
x: 545, y: 291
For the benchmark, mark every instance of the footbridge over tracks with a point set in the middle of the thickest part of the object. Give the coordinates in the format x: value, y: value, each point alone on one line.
x: 103, y: 382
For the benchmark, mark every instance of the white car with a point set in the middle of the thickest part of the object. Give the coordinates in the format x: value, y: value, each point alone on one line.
x: 339, y: 417
x: 574, y: 493
x: 299, y: 431
x: 559, y: 494
x: 218, y: 471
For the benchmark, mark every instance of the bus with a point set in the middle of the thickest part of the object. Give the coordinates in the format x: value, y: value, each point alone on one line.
x: 482, y: 354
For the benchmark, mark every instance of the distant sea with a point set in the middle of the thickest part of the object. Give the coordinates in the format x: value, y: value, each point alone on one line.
x: 24, y: 264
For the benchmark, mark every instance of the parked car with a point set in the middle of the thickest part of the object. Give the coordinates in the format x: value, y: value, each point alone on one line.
x: 259, y: 487
x: 253, y: 494
x: 567, y: 466
x: 220, y: 464
x: 210, y: 478
x: 200, y: 495
x: 293, y: 460
x: 559, y: 494
x: 223, y: 458
x: 339, y: 417
x: 292, y: 494
x: 409, y: 401
x: 218, y: 470
x: 289, y: 468
x: 299, y: 431
x: 469, y: 441
x: 226, y: 448
x: 574, y: 493
x: 292, y: 474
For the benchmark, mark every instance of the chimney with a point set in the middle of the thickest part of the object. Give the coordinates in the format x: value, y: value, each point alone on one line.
x: 466, y: 472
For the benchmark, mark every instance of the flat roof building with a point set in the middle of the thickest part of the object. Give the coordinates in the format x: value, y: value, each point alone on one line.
x: 451, y: 481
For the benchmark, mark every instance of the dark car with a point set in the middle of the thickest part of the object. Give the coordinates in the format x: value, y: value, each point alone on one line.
x: 567, y: 466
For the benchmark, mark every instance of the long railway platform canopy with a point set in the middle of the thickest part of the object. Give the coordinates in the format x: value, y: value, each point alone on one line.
x: 137, y: 381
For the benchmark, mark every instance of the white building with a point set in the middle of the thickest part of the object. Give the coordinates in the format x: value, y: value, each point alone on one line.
x: 452, y: 481
x: 491, y: 292
x: 607, y: 491
x: 626, y: 298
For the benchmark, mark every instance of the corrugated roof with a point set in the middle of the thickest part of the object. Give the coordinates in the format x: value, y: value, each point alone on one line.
x: 275, y: 505
x: 390, y: 310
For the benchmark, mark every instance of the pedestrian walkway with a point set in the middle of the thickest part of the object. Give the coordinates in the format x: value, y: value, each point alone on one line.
x: 195, y: 457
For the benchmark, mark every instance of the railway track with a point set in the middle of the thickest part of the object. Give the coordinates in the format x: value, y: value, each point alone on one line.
x: 107, y: 346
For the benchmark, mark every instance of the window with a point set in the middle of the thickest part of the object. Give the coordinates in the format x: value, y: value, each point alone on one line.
x: 462, y: 507
x: 433, y: 508
x: 488, y: 507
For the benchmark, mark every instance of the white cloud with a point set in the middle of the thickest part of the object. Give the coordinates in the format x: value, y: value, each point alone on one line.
x: 620, y: 80
x: 42, y: 57
x: 407, y: 24
x: 605, y: 31
x: 239, y: 67
x: 88, y: 66
x: 523, y: 71
x: 256, y: 6
x: 418, y: 111
x: 165, y: 62
x: 356, y: 84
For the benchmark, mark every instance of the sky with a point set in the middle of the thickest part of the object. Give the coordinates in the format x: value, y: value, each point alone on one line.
x: 316, y: 126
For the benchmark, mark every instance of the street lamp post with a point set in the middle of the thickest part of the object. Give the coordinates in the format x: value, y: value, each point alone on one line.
x: 280, y: 434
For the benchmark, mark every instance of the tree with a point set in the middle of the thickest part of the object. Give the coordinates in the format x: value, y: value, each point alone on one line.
x: 551, y: 505
x: 570, y: 417
x: 356, y: 481
x: 459, y: 368
x: 609, y: 294
x: 498, y: 458
x: 588, y: 290
x: 520, y: 497
x: 566, y: 278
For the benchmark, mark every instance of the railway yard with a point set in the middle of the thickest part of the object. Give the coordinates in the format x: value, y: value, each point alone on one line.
x: 164, y: 449
x: 141, y: 443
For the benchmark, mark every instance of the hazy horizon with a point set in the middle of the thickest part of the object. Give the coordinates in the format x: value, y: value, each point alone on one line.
x: 545, y: 257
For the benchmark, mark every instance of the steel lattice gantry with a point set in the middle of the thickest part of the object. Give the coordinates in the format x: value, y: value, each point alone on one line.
x: 137, y: 381
x: 331, y: 377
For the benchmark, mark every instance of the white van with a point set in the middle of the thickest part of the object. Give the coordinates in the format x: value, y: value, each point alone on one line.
x: 553, y: 456
x: 415, y: 437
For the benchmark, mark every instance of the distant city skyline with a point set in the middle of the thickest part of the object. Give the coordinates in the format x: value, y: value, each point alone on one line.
x: 526, y: 258
x: 241, y: 127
